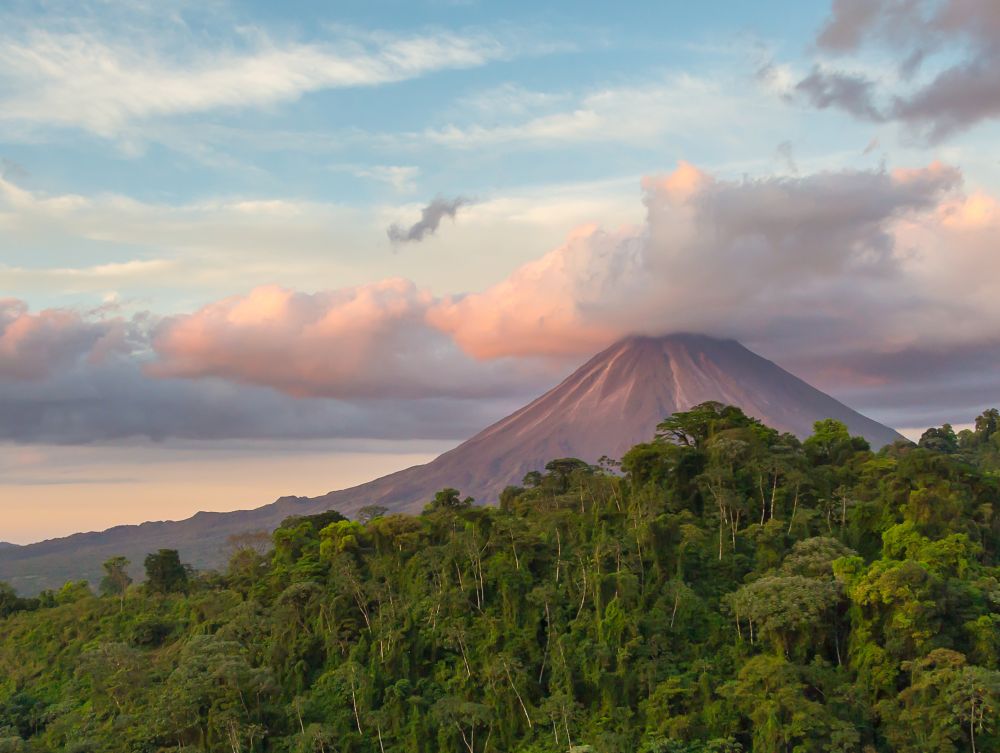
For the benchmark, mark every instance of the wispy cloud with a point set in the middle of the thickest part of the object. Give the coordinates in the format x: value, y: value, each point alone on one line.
x: 636, y: 114
x: 402, y: 178
x: 82, y: 79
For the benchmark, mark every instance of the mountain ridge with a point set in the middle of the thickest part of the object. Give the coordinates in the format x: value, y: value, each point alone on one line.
x: 607, y: 405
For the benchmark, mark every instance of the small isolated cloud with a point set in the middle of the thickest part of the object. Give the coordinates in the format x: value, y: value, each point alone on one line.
x: 956, y: 41
x: 402, y: 178
x: 785, y: 155
x: 11, y: 170
x: 430, y: 218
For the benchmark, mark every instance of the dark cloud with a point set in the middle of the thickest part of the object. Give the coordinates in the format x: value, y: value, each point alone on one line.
x: 957, y: 99
x: 853, y: 94
x: 68, y: 379
x: 115, y: 401
x: 958, y: 96
x: 911, y: 386
x: 848, y: 22
x: 430, y: 218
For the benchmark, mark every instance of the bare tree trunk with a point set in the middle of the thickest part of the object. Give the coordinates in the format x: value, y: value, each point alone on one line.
x: 774, y: 493
x: 519, y: 699
x: 558, y: 553
x: 548, y: 639
x: 795, y: 506
x: 354, y: 702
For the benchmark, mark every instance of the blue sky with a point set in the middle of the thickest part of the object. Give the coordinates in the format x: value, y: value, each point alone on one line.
x: 191, y: 193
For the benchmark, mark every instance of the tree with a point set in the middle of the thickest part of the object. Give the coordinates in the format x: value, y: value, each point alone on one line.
x: 449, y: 499
x: 975, y: 696
x: 368, y: 513
x: 114, y: 673
x: 116, y: 579
x: 248, y: 558
x: 831, y: 443
x: 773, y: 695
x: 940, y: 440
x: 696, y: 426
x: 10, y: 602
x: 165, y: 573
x: 791, y: 611
x: 987, y: 424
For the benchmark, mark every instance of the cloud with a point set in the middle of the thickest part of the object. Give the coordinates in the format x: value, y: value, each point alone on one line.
x: 34, y: 346
x: 864, y: 281
x: 82, y: 79
x: 114, y: 401
x: 198, y: 251
x: 430, y: 218
x: 9, y: 169
x: 853, y: 94
x: 957, y: 40
x: 721, y: 256
x: 632, y: 114
x: 402, y: 178
x: 69, y: 378
x: 367, y: 342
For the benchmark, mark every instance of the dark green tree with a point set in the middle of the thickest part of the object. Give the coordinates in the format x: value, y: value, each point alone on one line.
x: 165, y: 573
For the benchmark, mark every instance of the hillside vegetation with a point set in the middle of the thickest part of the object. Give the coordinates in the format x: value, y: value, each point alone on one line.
x: 725, y: 588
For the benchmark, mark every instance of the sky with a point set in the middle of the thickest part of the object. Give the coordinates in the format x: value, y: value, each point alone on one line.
x: 255, y: 249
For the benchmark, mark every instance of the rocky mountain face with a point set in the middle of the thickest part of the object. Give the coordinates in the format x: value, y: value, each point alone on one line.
x: 612, y: 402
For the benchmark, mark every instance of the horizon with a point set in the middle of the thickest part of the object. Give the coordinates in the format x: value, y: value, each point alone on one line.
x: 358, y: 477
x: 249, y: 252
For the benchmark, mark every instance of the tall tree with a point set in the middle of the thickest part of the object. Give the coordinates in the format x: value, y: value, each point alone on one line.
x: 116, y: 579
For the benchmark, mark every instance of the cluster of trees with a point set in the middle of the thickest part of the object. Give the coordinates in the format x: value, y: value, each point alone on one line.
x: 724, y: 588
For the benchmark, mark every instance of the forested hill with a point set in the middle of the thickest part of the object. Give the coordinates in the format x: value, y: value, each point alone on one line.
x: 602, y: 409
x: 731, y: 589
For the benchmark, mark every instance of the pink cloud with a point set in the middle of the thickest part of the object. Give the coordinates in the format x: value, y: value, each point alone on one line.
x: 371, y: 341
x: 820, y: 266
x: 33, y: 346
x: 730, y: 257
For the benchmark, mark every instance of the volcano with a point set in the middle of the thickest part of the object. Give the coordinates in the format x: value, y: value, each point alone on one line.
x: 609, y: 404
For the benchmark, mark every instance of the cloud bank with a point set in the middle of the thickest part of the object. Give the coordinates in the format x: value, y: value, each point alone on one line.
x: 69, y: 379
x: 865, y: 282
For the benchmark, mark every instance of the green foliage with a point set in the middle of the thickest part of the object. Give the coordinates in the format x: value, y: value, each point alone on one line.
x: 726, y: 589
x: 165, y: 573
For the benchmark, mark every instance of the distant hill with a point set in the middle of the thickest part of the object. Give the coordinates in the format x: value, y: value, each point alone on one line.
x: 610, y: 403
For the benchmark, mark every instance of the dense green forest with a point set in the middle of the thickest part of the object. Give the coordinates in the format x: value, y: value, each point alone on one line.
x: 724, y: 588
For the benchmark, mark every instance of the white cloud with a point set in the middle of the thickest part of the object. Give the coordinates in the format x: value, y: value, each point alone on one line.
x: 191, y: 252
x: 649, y: 113
x: 81, y: 79
x: 402, y: 178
